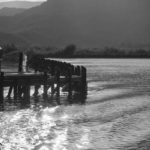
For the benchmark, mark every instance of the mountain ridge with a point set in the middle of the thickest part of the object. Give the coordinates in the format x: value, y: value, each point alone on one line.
x: 86, y: 23
x: 19, y: 4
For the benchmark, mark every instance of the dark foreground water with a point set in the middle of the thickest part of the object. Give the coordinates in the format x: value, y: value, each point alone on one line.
x: 116, y: 115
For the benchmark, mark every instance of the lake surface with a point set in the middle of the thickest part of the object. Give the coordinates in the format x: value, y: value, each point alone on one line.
x: 116, y: 115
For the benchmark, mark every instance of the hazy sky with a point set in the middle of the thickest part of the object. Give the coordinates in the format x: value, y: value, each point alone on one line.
x: 21, y: 0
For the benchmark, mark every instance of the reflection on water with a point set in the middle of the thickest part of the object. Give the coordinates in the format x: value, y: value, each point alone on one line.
x: 35, y: 101
x: 116, y: 115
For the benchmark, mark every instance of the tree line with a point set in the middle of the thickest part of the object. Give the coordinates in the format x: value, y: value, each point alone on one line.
x: 71, y: 51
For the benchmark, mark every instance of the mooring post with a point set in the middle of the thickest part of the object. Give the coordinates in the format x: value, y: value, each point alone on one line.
x: 1, y: 86
x: 20, y: 66
x: 45, y: 85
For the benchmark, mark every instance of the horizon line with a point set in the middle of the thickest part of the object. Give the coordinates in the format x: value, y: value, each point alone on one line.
x: 22, y: 0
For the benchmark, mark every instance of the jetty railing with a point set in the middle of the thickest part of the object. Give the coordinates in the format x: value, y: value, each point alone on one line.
x: 53, y: 75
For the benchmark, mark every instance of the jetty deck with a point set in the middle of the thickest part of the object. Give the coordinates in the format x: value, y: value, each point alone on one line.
x: 33, y: 79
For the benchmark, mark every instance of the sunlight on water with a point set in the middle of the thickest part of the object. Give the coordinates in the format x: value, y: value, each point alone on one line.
x: 116, y: 115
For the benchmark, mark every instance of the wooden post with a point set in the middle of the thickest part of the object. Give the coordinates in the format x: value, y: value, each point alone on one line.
x: 27, y: 93
x: 69, y: 82
x: 72, y: 69
x: 20, y: 69
x: 36, y: 90
x: 70, y: 86
x: 52, y: 89
x: 20, y: 90
x: 1, y: 55
x: 15, y: 90
x: 1, y: 87
x: 10, y: 91
x: 58, y: 83
x: 24, y: 63
x: 45, y: 85
x: 83, y: 78
x: 77, y: 70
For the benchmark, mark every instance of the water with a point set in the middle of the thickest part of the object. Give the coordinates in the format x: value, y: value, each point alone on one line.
x: 116, y: 115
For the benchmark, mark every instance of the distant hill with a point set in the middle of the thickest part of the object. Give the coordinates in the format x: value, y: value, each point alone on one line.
x: 86, y: 23
x: 19, y: 4
x: 10, y: 11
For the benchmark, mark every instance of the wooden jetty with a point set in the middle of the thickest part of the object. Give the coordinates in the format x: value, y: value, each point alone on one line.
x: 51, y: 74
